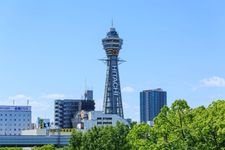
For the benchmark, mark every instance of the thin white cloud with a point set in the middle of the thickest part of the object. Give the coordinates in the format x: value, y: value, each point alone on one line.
x: 213, y: 82
x: 54, y: 96
x: 128, y: 89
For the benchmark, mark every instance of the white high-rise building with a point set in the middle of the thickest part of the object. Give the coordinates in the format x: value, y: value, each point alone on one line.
x: 14, y: 119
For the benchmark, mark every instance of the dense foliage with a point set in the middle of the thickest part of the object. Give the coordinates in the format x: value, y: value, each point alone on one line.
x: 45, y: 147
x: 10, y: 148
x: 104, y: 138
x: 177, y: 127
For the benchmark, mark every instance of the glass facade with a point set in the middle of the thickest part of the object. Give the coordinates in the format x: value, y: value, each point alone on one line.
x: 151, y: 101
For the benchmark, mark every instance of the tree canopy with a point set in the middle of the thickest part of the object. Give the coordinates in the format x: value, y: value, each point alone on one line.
x: 178, y: 127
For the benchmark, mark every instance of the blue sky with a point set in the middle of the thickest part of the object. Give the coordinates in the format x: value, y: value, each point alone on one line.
x: 50, y: 49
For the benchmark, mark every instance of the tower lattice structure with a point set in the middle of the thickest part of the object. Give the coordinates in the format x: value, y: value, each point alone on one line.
x: 112, y: 96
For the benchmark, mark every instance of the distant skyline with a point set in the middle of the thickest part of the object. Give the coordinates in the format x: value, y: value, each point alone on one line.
x: 50, y: 49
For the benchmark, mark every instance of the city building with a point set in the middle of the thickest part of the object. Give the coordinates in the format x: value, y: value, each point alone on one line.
x: 151, y: 101
x: 43, y: 123
x: 88, y: 95
x: 78, y: 117
x: 98, y: 118
x: 14, y: 119
x: 67, y: 108
x: 112, y: 96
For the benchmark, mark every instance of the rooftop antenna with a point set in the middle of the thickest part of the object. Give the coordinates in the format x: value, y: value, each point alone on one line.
x: 28, y: 102
x: 112, y: 23
x: 85, y: 84
x: 13, y: 102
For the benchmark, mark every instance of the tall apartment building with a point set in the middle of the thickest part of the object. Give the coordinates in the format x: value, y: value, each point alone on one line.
x: 151, y: 101
x: 65, y: 109
x: 14, y: 119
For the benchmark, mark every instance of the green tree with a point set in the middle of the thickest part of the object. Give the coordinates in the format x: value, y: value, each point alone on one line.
x: 101, y: 138
x: 10, y: 148
x: 177, y: 127
x: 120, y: 132
x: 41, y: 123
x: 139, y: 137
x: 172, y: 127
x: 180, y: 127
x: 209, y: 126
x: 45, y: 147
x: 75, y: 142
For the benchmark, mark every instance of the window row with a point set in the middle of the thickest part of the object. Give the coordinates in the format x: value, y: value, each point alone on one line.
x: 15, y: 115
x: 14, y: 119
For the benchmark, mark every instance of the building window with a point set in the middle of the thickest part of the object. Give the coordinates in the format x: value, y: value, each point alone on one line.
x: 99, y: 118
x: 99, y: 122
x: 107, y: 118
x: 107, y: 122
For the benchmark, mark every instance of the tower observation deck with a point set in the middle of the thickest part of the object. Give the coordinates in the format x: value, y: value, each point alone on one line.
x: 112, y: 96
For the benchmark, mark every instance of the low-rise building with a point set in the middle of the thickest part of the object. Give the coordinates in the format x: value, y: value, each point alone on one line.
x: 99, y: 118
x: 14, y: 119
x: 43, y: 123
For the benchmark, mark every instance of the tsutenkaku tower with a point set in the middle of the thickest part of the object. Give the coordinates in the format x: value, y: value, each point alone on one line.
x: 112, y: 96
